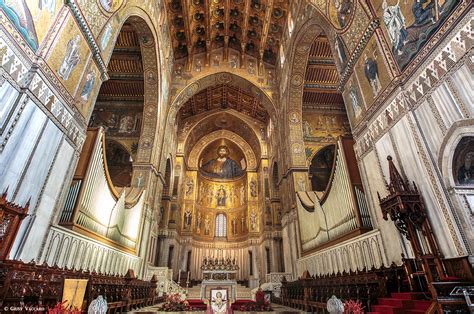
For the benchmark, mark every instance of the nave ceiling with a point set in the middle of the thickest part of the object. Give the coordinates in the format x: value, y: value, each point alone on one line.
x: 225, y: 96
x: 252, y: 27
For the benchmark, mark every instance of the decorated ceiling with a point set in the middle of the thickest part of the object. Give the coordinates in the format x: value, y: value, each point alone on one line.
x: 321, y: 78
x: 224, y: 96
x: 125, y: 69
x: 253, y: 27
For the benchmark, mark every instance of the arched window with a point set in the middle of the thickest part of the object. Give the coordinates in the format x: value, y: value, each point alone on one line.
x: 221, y: 225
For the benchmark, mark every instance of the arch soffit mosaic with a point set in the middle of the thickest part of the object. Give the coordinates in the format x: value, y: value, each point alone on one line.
x: 298, y: 62
x: 199, y: 84
x: 149, y: 46
x: 245, y: 127
x: 192, y: 160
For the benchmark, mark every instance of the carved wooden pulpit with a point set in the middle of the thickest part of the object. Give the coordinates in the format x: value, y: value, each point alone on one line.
x: 11, y: 216
x: 405, y: 207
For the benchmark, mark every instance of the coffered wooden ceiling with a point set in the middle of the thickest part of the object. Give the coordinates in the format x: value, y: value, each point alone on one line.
x: 322, y: 78
x: 224, y: 96
x: 125, y: 70
x: 254, y: 27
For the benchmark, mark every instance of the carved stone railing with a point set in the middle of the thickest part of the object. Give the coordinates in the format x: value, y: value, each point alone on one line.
x: 164, y: 277
x: 273, y: 283
x: 278, y: 277
x: 173, y: 288
x: 362, y: 252
x: 30, y: 284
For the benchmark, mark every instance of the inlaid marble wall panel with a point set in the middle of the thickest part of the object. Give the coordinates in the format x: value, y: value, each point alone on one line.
x: 20, y: 147
x: 463, y: 83
x: 405, y: 148
x: 430, y: 126
x: 37, y: 227
x: 374, y: 183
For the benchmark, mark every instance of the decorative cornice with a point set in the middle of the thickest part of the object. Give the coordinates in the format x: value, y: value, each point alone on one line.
x: 321, y: 86
x: 86, y: 31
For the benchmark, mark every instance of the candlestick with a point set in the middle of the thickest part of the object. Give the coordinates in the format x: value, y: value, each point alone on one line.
x: 188, y: 276
x: 179, y: 277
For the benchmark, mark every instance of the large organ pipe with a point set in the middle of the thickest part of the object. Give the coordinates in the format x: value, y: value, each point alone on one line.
x: 340, y: 211
x: 98, y: 207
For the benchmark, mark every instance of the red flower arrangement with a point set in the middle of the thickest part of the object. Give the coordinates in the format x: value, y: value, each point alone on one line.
x: 173, y: 303
x: 255, y: 307
x: 60, y: 308
x: 354, y: 307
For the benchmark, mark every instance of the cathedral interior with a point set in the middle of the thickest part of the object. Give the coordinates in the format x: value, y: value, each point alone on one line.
x: 318, y: 153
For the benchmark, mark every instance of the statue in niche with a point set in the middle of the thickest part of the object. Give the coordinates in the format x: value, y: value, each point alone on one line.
x: 253, y: 188
x: 221, y: 196
x: 71, y: 58
x: 207, y: 225
x: 222, y: 167
x: 188, y: 217
x: 242, y: 223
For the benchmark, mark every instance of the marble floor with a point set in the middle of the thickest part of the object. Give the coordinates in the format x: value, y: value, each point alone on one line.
x: 280, y: 309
